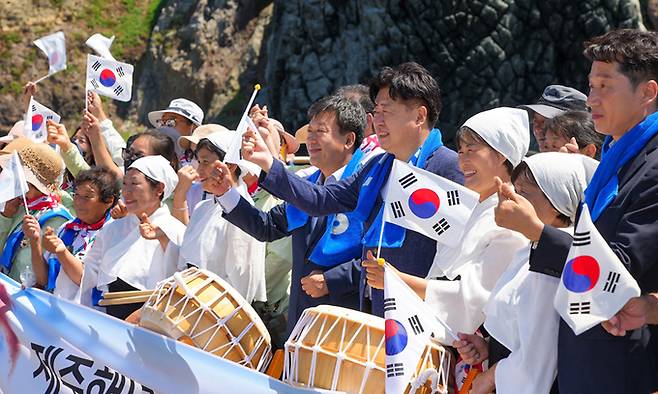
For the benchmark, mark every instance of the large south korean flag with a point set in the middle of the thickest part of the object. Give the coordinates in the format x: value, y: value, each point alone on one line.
x: 427, y: 203
x: 109, y: 78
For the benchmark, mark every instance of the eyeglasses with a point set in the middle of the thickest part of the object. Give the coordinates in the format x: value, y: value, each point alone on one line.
x: 130, y: 155
x: 166, y: 122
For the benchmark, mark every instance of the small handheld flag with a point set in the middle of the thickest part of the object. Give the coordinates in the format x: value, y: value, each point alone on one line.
x: 54, y: 46
x: 233, y: 154
x: 409, y: 325
x: 101, y: 45
x: 12, y: 180
x: 109, y: 78
x: 595, y: 284
x: 427, y: 203
x: 35, y: 120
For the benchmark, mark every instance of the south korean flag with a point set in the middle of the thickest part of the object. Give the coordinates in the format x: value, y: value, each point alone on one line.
x: 109, y: 78
x: 35, y: 120
x: 408, y: 327
x: 427, y: 203
x: 595, y: 284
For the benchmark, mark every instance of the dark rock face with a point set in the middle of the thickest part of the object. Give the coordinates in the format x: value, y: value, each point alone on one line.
x: 484, y: 53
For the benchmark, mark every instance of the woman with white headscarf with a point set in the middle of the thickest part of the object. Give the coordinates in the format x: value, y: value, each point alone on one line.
x: 129, y: 254
x: 491, y: 144
x: 519, y: 315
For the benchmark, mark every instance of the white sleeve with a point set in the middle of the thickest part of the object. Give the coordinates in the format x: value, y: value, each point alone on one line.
x: 113, y: 141
x: 532, y: 368
x: 92, y: 262
x: 229, y: 200
x: 460, y: 303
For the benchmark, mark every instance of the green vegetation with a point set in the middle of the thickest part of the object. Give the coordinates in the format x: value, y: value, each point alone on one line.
x: 130, y: 20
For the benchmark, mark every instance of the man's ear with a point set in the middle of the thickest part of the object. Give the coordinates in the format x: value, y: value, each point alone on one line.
x: 421, y: 115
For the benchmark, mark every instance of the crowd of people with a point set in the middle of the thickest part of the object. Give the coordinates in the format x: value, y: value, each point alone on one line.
x: 108, y: 215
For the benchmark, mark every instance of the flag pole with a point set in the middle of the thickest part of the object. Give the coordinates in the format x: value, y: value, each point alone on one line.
x: 21, y: 176
x: 381, y: 236
x: 251, y: 101
x: 42, y: 78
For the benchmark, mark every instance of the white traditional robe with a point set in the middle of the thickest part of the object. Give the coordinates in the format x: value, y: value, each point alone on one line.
x: 121, y: 252
x: 480, y: 259
x: 212, y: 243
x: 520, y: 315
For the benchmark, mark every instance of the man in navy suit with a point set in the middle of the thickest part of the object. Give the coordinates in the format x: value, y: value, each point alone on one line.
x: 334, y: 134
x: 623, y: 199
x: 407, y: 106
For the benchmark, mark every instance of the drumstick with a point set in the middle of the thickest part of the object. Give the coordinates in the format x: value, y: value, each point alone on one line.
x: 125, y: 300
x: 466, y: 387
x: 122, y: 294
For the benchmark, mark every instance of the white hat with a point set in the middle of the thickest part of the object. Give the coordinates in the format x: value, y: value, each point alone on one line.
x: 223, y: 141
x: 506, y: 130
x: 182, y: 107
x: 158, y: 168
x: 200, y: 132
x: 562, y: 177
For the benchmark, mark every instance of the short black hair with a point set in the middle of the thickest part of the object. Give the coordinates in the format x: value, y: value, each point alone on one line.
x: 578, y: 125
x: 359, y: 93
x: 205, y: 143
x: 106, y: 181
x: 350, y: 115
x: 162, y: 145
x: 410, y: 81
x: 635, y: 51
x: 466, y: 133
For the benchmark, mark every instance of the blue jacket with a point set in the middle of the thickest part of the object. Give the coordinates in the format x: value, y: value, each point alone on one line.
x: 595, y: 361
x: 416, y: 254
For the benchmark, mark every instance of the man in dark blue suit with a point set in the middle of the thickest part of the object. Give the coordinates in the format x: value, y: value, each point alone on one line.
x: 408, y: 104
x: 623, y: 199
x: 334, y: 135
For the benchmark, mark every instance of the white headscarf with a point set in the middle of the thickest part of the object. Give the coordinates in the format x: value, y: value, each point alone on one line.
x: 563, y: 178
x: 506, y: 130
x: 222, y: 140
x: 158, y: 168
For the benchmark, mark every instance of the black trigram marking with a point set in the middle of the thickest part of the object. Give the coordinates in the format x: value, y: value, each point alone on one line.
x: 96, y: 65
x: 408, y: 180
x: 581, y: 239
x: 441, y: 226
x: 389, y: 304
x: 118, y: 90
x: 395, y: 369
x: 120, y: 71
x: 453, y: 197
x: 415, y: 324
x: 94, y: 83
x: 397, y: 209
x: 611, y: 283
x: 579, y: 308
x: 34, y: 108
x: 48, y: 117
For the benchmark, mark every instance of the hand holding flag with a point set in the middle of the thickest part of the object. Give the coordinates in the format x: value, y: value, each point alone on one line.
x: 632, y: 316
x: 595, y: 284
x: 57, y: 134
x: 31, y: 228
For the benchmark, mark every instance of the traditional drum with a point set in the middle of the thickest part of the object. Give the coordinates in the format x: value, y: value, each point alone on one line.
x: 344, y: 350
x: 199, y: 308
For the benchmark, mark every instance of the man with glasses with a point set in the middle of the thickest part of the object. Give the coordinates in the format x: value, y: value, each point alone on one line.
x: 180, y: 118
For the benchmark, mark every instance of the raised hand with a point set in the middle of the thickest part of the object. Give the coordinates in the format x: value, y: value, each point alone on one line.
x: 51, y: 242
x: 516, y: 213
x: 91, y: 126
x: 219, y: 181
x: 147, y: 229
x: 30, y: 89
x: 255, y: 150
x: 570, y: 147
x: 95, y: 106
x: 374, y: 270
x: 119, y: 210
x: 186, y: 176
x: 57, y: 134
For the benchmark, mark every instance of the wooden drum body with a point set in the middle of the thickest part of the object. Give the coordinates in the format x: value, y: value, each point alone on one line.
x: 197, y: 307
x: 340, y: 349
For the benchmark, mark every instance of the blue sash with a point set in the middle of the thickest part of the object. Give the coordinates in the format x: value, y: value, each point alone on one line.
x: 394, y: 235
x: 604, y: 186
x: 14, y: 240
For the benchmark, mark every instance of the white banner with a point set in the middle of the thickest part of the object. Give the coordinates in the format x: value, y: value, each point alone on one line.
x: 68, y: 348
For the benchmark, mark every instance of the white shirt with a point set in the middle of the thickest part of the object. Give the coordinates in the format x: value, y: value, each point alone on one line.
x: 520, y: 315
x: 483, y: 255
x: 211, y: 242
x: 121, y: 252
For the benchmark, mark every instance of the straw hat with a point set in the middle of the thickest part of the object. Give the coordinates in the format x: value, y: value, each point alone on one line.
x: 43, y: 167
